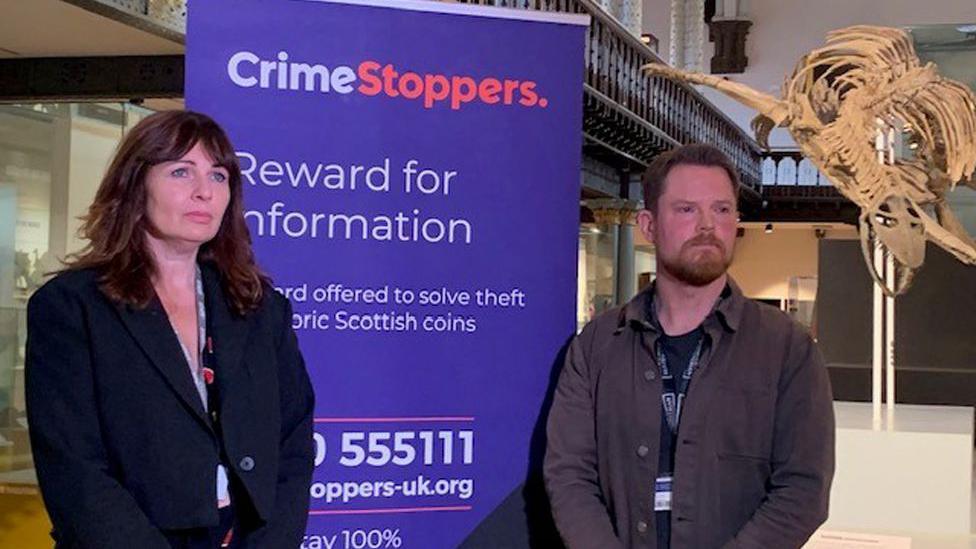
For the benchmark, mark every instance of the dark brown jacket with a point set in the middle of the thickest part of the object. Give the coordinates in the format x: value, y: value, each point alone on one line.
x: 755, y: 450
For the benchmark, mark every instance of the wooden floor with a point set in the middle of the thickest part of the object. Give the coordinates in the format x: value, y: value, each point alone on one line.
x: 23, y: 520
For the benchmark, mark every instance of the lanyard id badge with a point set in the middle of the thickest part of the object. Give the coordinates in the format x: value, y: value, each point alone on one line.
x: 662, y: 493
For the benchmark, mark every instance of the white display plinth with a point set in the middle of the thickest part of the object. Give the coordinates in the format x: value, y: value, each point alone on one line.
x: 912, y: 475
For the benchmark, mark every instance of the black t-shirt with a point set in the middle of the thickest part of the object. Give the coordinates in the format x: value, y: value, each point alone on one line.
x: 678, y: 351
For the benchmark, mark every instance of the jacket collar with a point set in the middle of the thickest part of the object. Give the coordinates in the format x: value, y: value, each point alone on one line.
x: 637, y: 312
x: 151, y: 329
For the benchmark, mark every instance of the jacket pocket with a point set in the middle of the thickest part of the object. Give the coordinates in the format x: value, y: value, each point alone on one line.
x: 741, y: 489
x: 743, y: 420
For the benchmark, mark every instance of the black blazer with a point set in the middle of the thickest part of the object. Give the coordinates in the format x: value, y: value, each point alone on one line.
x: 122, y: 445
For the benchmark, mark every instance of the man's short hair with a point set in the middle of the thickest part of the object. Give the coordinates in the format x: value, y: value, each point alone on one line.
x: 694, y: 155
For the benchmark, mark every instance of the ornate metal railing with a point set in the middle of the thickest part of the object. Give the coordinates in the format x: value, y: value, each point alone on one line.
x: 635, y: 115
x: 789, y: 168
x: 794, y: 190
x: 631, y: 115
x: 787, y: 175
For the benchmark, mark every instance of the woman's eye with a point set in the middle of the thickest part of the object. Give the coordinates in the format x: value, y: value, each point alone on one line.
x: 179, y: 172
x: 219, y: 177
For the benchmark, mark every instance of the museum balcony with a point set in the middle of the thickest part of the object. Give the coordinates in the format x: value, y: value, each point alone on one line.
x: 629, y: 117
x: 794, y: 190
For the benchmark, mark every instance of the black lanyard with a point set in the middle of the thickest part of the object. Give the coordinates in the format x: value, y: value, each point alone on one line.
x: 673, y: 391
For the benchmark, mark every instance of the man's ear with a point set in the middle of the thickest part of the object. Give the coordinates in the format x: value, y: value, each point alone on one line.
x: 646, y: 224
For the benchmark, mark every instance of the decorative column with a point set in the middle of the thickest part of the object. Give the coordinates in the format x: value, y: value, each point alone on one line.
x: 630, y: 15
x: 627, y: 12
x: 687, y: 34
x: 626, y: 260
x: 621, y: 215
x: 728, y: 30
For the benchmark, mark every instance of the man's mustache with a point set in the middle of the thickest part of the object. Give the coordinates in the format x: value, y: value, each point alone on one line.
x: 705, y: 240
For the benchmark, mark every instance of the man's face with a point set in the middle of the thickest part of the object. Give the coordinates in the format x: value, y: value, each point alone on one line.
x: 694, y: 226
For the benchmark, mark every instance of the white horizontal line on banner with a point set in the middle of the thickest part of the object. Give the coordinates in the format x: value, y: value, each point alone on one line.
x: 390, y: 511
x: 430, y: 419
x: 469, y: 9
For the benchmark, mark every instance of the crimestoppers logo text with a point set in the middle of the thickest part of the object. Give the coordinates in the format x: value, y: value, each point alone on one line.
x: 375, y: 78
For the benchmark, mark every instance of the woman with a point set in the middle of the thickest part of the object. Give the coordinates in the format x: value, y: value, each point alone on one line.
x: 168, y: 401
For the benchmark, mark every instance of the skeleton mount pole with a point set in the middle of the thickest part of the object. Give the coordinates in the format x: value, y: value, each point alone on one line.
x: 883, y: 342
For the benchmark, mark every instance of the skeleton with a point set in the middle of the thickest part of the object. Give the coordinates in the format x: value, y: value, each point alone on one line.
x: 867, y: 80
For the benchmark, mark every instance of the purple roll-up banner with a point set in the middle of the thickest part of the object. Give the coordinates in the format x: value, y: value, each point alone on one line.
x: 411, y: 179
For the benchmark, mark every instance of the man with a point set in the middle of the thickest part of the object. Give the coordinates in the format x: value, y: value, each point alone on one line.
x: 691, y: 417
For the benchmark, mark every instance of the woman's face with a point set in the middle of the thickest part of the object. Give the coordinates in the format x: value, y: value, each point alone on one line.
x: 186, y: 198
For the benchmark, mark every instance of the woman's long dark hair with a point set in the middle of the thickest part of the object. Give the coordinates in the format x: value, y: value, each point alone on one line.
x: 116, y: 223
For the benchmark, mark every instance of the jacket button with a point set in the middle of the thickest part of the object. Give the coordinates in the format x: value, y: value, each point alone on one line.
x: 247, y: 463
x: 642, y: 450
x: 649, y: 375
x: 642, y: 527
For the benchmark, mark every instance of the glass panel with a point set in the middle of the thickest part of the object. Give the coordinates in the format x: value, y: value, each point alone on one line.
x: 645, y: 265
x: 27, y: 149
x: 800, y: 304
x: 52, y: 158
x: 597, y: 257
x: 953, y: 50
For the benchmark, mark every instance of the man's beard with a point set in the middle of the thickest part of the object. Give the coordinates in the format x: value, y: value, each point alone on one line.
x: 703, y: 271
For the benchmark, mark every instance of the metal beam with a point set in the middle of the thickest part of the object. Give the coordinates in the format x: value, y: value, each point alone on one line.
x: 91, y: 78
x: 164, y: 18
